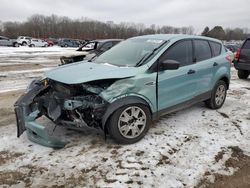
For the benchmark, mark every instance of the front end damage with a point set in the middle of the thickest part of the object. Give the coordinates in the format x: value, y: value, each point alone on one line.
x: 75, y: 106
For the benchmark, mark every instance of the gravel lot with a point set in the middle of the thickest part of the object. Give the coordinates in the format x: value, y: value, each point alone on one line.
x: 195, y: 147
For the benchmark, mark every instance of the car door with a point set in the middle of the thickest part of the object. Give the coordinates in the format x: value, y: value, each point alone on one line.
x: 177, y: 86
x: 40, y: 43
x: 204, y: 66
x: 34, y: 42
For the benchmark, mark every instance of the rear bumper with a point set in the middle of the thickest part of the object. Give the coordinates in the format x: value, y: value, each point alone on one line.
x: 25, y: 121
x: 242, y: 66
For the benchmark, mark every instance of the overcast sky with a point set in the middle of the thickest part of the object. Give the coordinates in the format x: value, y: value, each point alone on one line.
x: 198, y: 13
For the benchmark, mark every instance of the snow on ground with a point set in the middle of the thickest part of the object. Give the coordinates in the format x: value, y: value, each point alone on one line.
x: 176, y: 152
x: 46, y: 58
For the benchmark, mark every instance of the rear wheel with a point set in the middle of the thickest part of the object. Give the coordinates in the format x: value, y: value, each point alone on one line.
x: 24, y: 43
x: 218, y: 95
x: 129, y: 124
x: 243, y: 74
x: 32, y: 45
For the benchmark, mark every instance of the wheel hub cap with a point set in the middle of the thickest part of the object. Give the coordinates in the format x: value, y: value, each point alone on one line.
x: 132, y: 122
x: 220, y: 95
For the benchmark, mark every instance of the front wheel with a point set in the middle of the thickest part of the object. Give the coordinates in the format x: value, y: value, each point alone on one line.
x: 243, y: 74
x: 129, y: 124
x: 218, y: 95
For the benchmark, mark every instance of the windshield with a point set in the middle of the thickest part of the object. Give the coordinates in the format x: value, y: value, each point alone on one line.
x: 130, y: 52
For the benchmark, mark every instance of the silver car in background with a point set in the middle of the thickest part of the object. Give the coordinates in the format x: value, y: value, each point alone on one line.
x: 5, y: 41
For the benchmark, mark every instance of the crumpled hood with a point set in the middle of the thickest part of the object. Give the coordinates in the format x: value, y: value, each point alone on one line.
x: 88, y: 71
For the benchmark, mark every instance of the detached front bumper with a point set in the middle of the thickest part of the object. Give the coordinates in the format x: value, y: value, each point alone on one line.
x: 25, y: 120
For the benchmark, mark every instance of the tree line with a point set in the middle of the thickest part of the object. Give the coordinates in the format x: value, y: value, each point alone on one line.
x: 40, y: 26
x: 226, y: 34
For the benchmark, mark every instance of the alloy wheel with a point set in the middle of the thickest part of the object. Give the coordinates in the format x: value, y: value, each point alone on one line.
x: 220, y: 95
x: 132, y: 122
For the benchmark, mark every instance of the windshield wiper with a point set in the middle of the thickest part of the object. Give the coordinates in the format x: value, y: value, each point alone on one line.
x: 148, y: 55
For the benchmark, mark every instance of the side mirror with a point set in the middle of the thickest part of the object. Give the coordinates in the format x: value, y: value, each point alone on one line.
x: 169, y: 65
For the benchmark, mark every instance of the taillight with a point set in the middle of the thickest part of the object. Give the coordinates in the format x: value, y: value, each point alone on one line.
x: 237, y: 55
x: 228, y: 57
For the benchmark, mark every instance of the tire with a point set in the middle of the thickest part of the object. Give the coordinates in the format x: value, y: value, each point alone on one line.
x: 16, y: 44
x: 32, y: 45
x: 243, y: 74
x: 117, y: 127
x: 65, y: 45
x: 24, y: 43
x: 218, y: 97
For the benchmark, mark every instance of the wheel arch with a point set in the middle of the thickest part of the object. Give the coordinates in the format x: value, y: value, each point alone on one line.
x: 122, y: 102
x: 226, y: 79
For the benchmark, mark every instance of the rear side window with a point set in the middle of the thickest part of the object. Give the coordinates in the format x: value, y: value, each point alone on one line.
x: 216, y: 48
x: 246, y: 44
x: 181, y: 52
x: 202, y: 50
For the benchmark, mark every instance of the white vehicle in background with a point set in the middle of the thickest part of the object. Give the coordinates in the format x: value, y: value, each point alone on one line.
x: 23, y: 40
x: 231, y: 54
x: 38, y: 43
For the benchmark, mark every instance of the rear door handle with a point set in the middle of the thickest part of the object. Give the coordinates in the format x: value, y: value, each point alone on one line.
x: 191, y: 71
x: 215, y: 64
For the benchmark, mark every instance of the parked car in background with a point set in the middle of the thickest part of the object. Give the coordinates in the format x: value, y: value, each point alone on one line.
x: 232, y: 47
x: 127, y: 87
x: 242, y: 60
x: 5, y: 41
x: 38, y: 43
x: 53, y: 41
x: 68, y: 42
x: 23, y: 40
x: 50, y: 42
x: 89, y: 50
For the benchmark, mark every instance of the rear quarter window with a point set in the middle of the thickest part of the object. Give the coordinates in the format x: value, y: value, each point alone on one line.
x: 216, y: 48
x: 202, y: 50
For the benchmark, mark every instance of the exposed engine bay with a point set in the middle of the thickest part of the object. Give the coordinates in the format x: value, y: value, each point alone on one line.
x: 76, y: 105
x: 79, y: 105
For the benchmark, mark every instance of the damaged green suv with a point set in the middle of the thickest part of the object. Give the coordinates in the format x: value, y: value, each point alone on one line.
x: 127, y: 87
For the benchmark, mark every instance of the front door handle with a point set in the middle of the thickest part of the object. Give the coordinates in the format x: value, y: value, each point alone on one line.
x: 191, y: 71
x: 215, y: 64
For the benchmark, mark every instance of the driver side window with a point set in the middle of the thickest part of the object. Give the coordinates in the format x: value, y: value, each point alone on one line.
x: 181, y: 51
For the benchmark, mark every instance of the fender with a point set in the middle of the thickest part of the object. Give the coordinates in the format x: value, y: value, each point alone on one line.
x: 221, y: 73
x: 122, y: 102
